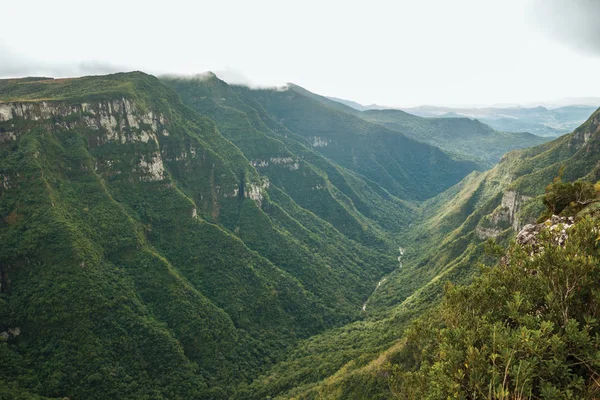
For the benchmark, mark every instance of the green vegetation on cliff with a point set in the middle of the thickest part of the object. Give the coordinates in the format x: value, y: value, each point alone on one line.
x: 183, y: 238
x: 527, y: 328
x: 463, y: 138
x: 404, y: 167
x: 142, y: 254
x: 447, y: 241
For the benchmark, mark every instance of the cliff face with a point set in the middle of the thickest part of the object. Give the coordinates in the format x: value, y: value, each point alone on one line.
x: 507, y: 212
x: 118, y: 121
x: 103, y: 217
x: 112, y: 115
x: 582, y: 135
x: 159, y: 251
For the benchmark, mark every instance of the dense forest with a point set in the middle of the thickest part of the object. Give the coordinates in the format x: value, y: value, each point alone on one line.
x: 179, y: 238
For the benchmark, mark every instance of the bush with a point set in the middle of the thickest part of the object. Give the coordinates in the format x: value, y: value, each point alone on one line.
x: 568, y: 198
x: 529, y: 329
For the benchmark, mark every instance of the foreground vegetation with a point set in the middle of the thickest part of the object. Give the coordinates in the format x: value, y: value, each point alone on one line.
x: 527, y: 328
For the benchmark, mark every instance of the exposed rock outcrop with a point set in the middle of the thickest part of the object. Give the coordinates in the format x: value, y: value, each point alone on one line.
x: 122, y: 120
x: 256, y: 191
x: 508, y: 211
x: 319, y: 141
x: 583, y: 134
x: 291, y: 163
x: 529, y: 237
x: 486, y: 233
x: 557, y: 227
x: 152, y: 167
x: 506, y: 215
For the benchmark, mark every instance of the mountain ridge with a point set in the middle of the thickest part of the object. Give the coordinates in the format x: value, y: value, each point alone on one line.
x: 157, y: 201
x: 447, y: 242
x: 192, y: 239
x: 464, y: 138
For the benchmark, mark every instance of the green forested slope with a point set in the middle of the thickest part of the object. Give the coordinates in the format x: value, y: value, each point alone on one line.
x: 462, y: 136
x: 114, y: 281
x: 143, y: 255
x: 445, y: 243
x: 406, y: 168
x: 354, y: 205
x: 181, y: 238
x: 526, y: 328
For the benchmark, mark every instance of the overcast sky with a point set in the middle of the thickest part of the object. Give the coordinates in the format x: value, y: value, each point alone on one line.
x: 401, y: 53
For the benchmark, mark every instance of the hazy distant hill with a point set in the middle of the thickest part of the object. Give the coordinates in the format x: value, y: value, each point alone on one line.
x: 540, y: 121
x: 463, y: 137
x: 357, y: 106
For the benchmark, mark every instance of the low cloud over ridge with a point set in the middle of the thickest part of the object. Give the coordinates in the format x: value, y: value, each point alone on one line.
x: 14, y: 65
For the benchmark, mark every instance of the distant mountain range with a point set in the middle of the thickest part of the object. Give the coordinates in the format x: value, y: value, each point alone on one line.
x: 461, y: 136
x: 541, y: 120
x: 358, y: 106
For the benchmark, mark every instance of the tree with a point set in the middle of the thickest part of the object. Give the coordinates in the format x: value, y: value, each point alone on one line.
x: 568, y: 198
x: 528, y: 329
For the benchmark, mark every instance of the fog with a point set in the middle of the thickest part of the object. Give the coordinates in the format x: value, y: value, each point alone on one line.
x: 395, y: 53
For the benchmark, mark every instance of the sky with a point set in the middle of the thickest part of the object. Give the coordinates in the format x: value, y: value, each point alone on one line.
x: 395, y: 53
